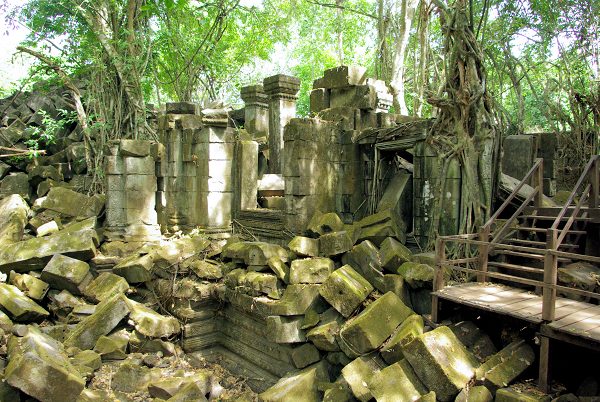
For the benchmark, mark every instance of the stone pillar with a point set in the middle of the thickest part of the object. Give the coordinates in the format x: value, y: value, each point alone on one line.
x: 256, y: 111
x: 282, y: 91
x: 131, y: 191
x: 246, y: 162
x: 178, y: 129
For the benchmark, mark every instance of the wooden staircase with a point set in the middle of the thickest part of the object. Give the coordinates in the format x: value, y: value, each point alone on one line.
x: 524, y: 252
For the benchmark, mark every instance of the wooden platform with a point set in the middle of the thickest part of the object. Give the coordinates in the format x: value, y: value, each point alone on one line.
x: 572, y: 318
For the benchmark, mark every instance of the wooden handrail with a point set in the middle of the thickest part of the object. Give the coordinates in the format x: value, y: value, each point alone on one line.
x: 565, y: 230
x: 537, y: 165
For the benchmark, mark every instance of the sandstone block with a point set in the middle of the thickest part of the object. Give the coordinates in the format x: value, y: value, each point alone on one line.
x: 18, y: 306
x: 310, y: 270
x: 302, y: 386
x: 503, y: 367
x: 358, y: 375
x: 396, y: 383
x: 345, y: 289
x: 104, y: 286
x: 150, y: 323
x: 66, y: 273
x: 285, y: 329
x: 14, y: 213
x: 31, y: 286
x: 304, y: 246
x: 393, y: 254
x: 305, y: 355
x: 335, y: 243
x: 324, y: 335
x: 392, y: 349
x: 71, y: 203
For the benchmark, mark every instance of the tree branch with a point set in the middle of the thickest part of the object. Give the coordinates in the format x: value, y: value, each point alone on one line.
x: 340, y: 7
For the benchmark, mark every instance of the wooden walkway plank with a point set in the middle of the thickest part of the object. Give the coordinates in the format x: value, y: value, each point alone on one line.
x: 575, y: 317
x: 564, y: 307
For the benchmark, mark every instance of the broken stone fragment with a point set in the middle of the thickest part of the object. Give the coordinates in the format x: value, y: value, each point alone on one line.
x: 285, y: 329
x: 395, y: 283
x: 113, y: 347
x: 280, y: 268
x: 335, y: 243
x: 417, y: 275
x: 66, y: 273
x: 324, y: 335
x: 396, y: 383
x: 380, y: 226
x: 31, y: 286
x: 87, y: 358
x: 131, y: 377
x: 142, y: 344
x: 301, y: 386
x: 365, y: 259
x: 581, y: 274
x: 136, y: 148
x: 47, y: 228
x: 393, y: 254
x: 338, y: 392
x: 168, y: 387
x: 304, y: 246
x: 253, y: 253
x: 6, y: 324
x: 72, y: 203
x: 392, y: 348
x: 105, y: 318
x: 502, y: 368
x: 442, y: 363
x: 39, y: 367
x: 18, y: 306
x: 14, y: 213
x: 358, y: 375
x: 475, y: 394
x: 62, y: 303
x: 368, y: 330
x: 476, y: 341
x: 151, y: 324
x: 311, y: 270
x: 266, y: 284
x: 15, y: 183
x: 204, y: 269
x: 104, y: 286
x: 176, y: 251
x: 189, y: 392
x: 345, y: 289
x: 33, y: 254
x: 321, y: 224
x: 305, y: 355
x: 342, y: 76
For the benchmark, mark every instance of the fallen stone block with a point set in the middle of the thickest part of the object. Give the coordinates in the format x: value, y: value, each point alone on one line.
x: 15, y: 183
x: 62, y: 303
x: 167, y: 387
x: 305, y: 355
x: 39, y: 367
x: 189, y: 392
x: 417, y: 275
x: 204, y: 269
x: 365, y: 259
x: 442, y: 363
x: 381, y: 225
x: 311, y: 270
x: 324, y: 335
x: 72, y: 203
x: 391, y: 351
x: 368, y: 330
x: 135, y: 269
x: 304, y: 246
x: 358, y: 375
x: 33, y: 254
x: 335, y: 243
x: 521, y: 395
x: 104, y: 286
x: 502, y: 368
x: 151, y: 324
x: 342, y: 76
x: 285, y: 329
x: 393, y: 254
x: 582, y: 275
x: 66, y: 273
x: 142, y: 344
x: 87, y: 358
x: 396, y: 383
x: 476, y: 341
x: 338, y: 392
x: 395, y: 283
x: 47, y: 229
x: 105, y: 318
x: 14, y: 213
x: 297, y: 299
x: 31, y: 286
x: 266, y: 284
x: 280, y: 268
x: 113, y: 347
x: 321, y: 224
x: 345, y: 289
x: 428, y: 397
x: 168, y: 255
x: 18, y: 306
x: 254, y: 253
x: 136, y: 148
x: 475, y: 394
x: 299, y: 386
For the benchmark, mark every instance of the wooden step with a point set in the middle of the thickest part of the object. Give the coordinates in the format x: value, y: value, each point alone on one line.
x: 515, y: 267
x: 552, y: 218
x: 544, y: 230
x: 528, y: 255
x: 536, y: 243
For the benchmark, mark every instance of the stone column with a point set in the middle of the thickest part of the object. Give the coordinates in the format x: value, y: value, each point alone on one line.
x: 256, y: 111
x: 282, y: 91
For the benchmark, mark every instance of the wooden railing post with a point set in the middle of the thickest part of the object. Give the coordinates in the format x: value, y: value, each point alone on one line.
x: 484, y: 236
x: 550, y: 274
x: 595, y: 184
x: 438, y: 278
x: 538, y: 183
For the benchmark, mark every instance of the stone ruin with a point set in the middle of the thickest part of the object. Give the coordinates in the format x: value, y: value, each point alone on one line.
x: 316, y: 295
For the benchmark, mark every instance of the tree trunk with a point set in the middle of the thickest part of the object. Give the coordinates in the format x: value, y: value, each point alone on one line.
x: 406, y: 15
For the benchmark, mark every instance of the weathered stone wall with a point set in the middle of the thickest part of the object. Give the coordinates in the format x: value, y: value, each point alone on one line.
x: 131, y: 188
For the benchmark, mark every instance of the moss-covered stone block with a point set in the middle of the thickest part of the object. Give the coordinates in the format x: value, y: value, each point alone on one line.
x: 397, y: 383
x: 18, y: 306
x: 311, y: 270
x: 31, y: 286
x: 442, y: 363
x: 66, y: 273
x: 417, y: 275
x: 475, y: 394
x: 359, y: 372
x: 345, y: 289
x: 335, y: 243
x: 150, y: 323
x: 391, y: 350
x: 302, y: 386
x: 104, y: 286
x: 393, y: 254
x: 368, y: 330
x: 285, y: 329
x: 304, y: 246
x: 305, y: 355
x: 324, y: 335
x: 521, y: 395
x: 502, y: 368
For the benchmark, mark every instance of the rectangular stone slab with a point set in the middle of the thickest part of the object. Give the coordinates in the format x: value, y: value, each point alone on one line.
x: 503, y: 367
x: 368, y: 330
x: 18, y: 306
x: 396, y: 383
x: 33, y: 254
x: 345, y: 289
x: 358, y: 374
x: 106, y: 317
